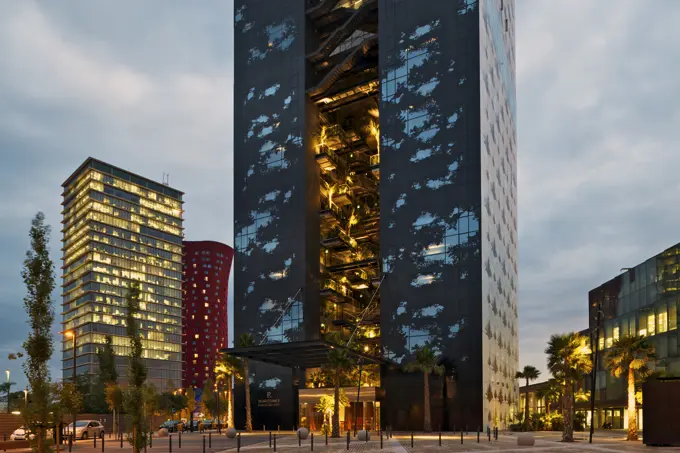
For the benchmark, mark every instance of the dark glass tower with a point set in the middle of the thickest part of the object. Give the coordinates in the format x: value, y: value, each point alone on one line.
x: 375, y: 172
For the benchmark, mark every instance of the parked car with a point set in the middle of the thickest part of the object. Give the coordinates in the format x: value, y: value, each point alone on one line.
x: 173, y: 426
x: 24, y: 434
x: 86, y: 429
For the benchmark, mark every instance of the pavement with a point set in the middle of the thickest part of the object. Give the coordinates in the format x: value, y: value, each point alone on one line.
x: 258, y: 442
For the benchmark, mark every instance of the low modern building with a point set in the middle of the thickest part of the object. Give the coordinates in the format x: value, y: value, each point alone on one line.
x: 206, y: 275
x: 642, y: 300
x: 118, y: 228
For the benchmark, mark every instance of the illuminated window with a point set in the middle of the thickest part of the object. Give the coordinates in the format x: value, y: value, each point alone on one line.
x: 651, y: 325
x: 206, y: 279
x: 195, y: 356
x: 616, y: 333
x: 661, y: 319
x: 196, y: 336
x: 206, y: 305
x: 672, y: 316
x: 205, y: 317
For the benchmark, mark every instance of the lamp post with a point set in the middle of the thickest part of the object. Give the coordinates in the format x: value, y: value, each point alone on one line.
x: 26, y: 397
x: 72, y: 334
x: 594, y: 372
x: 9, y: 384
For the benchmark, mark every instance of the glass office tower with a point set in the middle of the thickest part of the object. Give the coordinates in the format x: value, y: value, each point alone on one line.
x: 118, y: 228
x: 375, y: 173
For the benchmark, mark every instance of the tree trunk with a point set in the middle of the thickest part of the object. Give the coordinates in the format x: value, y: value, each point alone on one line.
x: 230, y: 407
x: 568, y: 414
x: 246, y: 380
x: 336, y: 408
x: 427, y: 422
x: 526, y: 407
x: 632, y: 414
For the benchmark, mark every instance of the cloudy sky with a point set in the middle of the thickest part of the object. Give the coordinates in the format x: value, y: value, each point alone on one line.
x: 147, y: 86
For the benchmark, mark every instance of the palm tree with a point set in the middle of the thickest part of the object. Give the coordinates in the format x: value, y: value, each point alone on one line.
x: 550, y: 392
x: 247, y: 341
x: 427, y: 362
x: 226, y: 368
x: 629, y: 355
x: 530, y: 373
x: 568, y: 361
x: 340, y: 364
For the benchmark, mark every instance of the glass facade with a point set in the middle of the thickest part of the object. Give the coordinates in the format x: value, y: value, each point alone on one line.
x: 643, y: 300
x: 119, y: 228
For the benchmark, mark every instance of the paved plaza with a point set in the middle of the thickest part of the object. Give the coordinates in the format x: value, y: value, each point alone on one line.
x: 287, y: 442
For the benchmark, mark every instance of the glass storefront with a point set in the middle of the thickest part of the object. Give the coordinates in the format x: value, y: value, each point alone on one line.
x: 366, y: 411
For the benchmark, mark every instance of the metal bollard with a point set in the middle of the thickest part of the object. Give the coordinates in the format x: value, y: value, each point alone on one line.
x: 326, y: 436
x: 238, y: 442
x: 478, y: 434
x: 209, y: 440
x: 270, y: 439
x: 70, y: 443
x: 151, y: 440
x: 94, y: 438
x: 180, y: 440
x: 203, y: 444
x: 440, y: 438
x: 348, y: 440
x: 121, y: 440
x: 411, y: 439
x: 381, y: 439
x: 461, y: 437
x: 488, y: 432
x: 103, y: 444
x: 312, y: 441
x: 274, y: 442
x: 299, y: 439
x: 170, y: 442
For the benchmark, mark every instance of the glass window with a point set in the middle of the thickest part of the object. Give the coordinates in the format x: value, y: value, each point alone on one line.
x: 616, y: 332
x: 661, y: 319
x: 651, y: 325
x: 642, y: 325
x: 672, y: 316
x: 673, y: 345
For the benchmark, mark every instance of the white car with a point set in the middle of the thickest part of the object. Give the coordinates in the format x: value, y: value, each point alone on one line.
x: 24, y: 434
x: 86, y: 429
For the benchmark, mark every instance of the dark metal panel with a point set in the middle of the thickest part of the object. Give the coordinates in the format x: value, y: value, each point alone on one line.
x: 430, y: 196
x: 274, y: 225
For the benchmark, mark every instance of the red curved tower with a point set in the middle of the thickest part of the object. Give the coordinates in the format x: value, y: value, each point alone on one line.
x: 206, y: 275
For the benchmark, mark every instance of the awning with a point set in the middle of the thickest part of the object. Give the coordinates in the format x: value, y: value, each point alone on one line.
x: 299, y: 354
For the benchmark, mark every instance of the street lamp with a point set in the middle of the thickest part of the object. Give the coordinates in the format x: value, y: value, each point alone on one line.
x: 26, y: 396
x: 72, y: 334
x: 594, y: 372
x: 9, y: 384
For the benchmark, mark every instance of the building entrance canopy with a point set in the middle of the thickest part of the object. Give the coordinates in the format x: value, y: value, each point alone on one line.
x: 300, y: 354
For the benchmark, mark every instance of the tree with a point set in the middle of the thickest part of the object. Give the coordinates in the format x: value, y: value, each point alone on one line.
x: 114, y: 399
x: 107, y: 361
x: 208, y: 397
x: 628, y: 356
x: 247, y: 341
x: 551, y: 393
x: 191, y: 406
x: 340, y: 364
x: 137, y: 372
x: 327, y: 407
x: 426, y: 362
x: 150, y: 400
x: 108, y: 374
x: 38, y: 276
x: 226, y: 368
x: 568, y: 361
x: 529, y: 373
